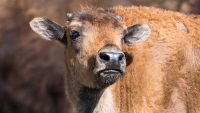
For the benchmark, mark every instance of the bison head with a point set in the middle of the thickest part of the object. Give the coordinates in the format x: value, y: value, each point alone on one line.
x: 93, y: 40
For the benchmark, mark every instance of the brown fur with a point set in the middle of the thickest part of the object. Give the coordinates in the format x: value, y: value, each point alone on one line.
x: 163, y: 71
x: 163, y: 76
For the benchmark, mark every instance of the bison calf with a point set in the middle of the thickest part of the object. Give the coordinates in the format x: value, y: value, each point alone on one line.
x: 129, y: 59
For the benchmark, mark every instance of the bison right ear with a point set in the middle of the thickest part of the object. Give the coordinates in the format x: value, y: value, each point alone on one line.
x: 47, y: 29
x: 136, y: 34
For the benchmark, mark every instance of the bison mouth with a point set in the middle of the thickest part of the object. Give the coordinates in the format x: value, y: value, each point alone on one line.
x: 108, y: 76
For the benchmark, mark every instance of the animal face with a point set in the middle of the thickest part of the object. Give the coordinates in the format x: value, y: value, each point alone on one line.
x: 93, y: 40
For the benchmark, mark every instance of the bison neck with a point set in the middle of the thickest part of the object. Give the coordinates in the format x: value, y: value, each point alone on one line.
x: 95, y: 101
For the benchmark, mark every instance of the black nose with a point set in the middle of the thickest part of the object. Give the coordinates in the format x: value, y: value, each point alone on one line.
x: 110, y: 60
x: 111, y: 57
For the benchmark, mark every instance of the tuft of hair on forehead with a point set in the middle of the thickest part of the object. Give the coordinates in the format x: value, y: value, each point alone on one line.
x: 98, y: 16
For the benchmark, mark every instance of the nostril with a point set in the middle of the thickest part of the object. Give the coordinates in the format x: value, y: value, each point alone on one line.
x: 104, y: 56
x: 121, y: 57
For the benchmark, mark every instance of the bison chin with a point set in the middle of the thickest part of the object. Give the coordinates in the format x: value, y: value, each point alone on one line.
x: 108, y: 76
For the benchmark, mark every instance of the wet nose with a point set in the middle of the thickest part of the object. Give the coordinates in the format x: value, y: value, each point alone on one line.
x: 111, y: 57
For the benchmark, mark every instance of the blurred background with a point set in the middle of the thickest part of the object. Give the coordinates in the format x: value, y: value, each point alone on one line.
x: 31, y: 69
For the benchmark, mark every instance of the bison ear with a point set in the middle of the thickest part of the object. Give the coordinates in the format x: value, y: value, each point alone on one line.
x: 136, y: 33
x: 47, y: 29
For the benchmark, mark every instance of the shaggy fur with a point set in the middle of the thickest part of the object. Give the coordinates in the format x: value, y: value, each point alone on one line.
x: 164, y: 76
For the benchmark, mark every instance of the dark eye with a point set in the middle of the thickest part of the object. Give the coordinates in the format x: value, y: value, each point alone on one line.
x: 74, y: 34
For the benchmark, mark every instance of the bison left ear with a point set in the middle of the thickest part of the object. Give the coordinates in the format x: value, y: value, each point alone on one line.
x: 47, y: 29
x: 136, y: 33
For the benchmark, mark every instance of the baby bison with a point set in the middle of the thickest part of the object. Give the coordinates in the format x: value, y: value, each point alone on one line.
x: 129, y: 59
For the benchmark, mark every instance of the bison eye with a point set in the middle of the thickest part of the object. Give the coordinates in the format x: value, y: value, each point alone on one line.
x: 74, y: 35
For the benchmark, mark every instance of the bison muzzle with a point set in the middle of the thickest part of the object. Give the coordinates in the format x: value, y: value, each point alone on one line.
x: 110, y: 65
